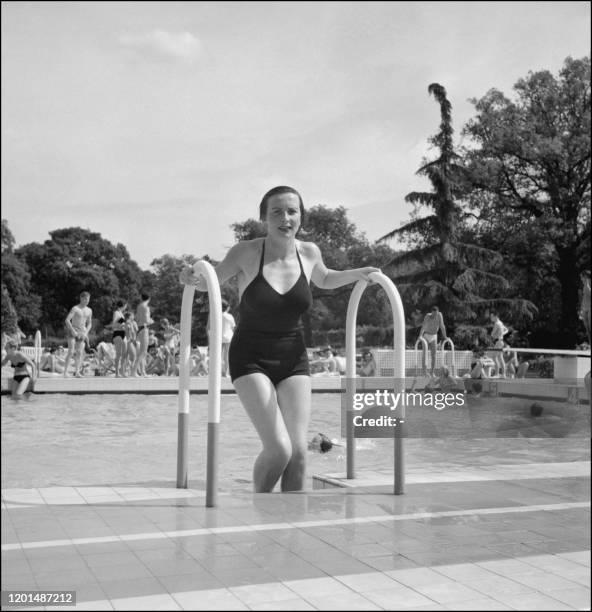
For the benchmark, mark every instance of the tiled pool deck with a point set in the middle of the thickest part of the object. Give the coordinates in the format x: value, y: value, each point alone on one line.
x: 516, y: 538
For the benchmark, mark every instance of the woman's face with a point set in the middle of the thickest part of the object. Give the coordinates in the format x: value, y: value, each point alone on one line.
x: 283, y: 215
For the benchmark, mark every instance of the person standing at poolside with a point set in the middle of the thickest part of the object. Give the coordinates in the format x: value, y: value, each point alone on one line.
x: 171, y: 337
x: 228, y: 326
x: 131, y: 341
x: 118, y: 338
x: 78, y: 326
x: 143, y: 321
x: 24, y: 370
x: 268, y: 359
x: 498, y: 332
x: 432, y: 323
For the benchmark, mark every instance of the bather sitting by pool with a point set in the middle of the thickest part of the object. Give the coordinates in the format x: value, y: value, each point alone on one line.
x: 477, y: 373
x: 50, y: 362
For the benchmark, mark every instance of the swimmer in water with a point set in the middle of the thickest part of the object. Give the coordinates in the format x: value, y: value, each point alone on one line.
x: 320, y: 443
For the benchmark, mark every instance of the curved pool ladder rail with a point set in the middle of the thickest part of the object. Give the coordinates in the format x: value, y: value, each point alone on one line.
x: 37, y: 356
x: 453, y: 365
x: 206, y: 270
x: 424, y: 355
x: 398, y: 370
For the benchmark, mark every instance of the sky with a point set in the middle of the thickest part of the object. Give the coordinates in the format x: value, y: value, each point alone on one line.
x: 159, y: 124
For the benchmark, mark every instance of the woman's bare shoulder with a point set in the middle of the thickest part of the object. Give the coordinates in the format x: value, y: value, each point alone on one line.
x: 308, y: 249
x: 245, y: 250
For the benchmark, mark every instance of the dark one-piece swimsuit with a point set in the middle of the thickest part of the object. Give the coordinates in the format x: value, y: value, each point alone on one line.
x: 269, y: 338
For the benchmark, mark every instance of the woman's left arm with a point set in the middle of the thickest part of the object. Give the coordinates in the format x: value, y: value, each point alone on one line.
x: 325, y: 278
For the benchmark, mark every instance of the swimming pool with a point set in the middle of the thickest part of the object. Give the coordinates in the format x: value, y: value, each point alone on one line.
x: 75, y: 440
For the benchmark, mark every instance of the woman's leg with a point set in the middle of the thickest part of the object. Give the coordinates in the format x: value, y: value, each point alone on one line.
x: 258, y: 396
x: 294, y: 399
x: 118, y: 343
x: 19, y: 388
x: 131, y: 355
x: 69, y: 354
x: 140, y: 365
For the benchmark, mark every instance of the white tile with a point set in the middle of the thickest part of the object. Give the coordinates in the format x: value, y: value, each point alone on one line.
x: 486, y: 603
x: 419, y: 576
x: 577, y: 598
x: 544, y: 581
x: 498, y: 584
x: 371, y: 581
x: 148, y: 602
x: 462, y: 572
x: 317, y: 587
x: 351, y: 601
x: 448, y: 593
x: 532, y: 601
x: 285, y: 604
x: 258, y: 593
x: 399, y: 598
x: 582, y: 557
x: 209, y: 599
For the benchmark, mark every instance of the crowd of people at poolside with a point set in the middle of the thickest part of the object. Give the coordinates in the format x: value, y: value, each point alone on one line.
x: 132, y: 347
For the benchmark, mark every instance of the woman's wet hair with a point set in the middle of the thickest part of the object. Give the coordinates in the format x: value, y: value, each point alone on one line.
x: 279, y: 191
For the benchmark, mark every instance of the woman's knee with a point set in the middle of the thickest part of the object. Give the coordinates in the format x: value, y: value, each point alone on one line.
x: 279, y: 451
x: 299, y: 451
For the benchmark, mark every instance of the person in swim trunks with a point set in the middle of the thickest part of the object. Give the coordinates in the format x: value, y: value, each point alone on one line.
x: 432, y: 323
x: 267, y: 356
x: 24, y: 370
x: 78, y: 326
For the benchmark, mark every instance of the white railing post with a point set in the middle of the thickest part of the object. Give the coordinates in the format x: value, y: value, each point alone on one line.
x: 453, y: 366
x: 424, y: 354
x: 398, y: 371
x: 37, y: 351
x: 202, y: 268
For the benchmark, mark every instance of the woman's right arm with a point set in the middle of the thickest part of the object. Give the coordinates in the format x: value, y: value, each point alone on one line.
x: 226, y: 269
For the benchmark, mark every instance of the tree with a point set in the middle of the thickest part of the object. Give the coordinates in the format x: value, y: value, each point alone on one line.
x: 9, y: 320
x: 76, y: 260
x: 530, y: 169
x: 167, y: 296
x: 19, y: 301
x: 444, y: 270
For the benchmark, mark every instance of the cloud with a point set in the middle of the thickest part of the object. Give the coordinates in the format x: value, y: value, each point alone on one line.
x: 163, y: 46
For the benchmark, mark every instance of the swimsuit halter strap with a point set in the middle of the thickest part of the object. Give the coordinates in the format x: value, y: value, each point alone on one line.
x: 263, y: 257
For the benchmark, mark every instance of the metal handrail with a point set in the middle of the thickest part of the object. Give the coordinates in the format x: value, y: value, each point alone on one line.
x: 398, y: 370
x: 205, y: 269
x: 424, y: 353
x: 453, y: 366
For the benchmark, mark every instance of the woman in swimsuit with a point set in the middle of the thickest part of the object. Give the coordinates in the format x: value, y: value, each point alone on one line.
x: 267, y: 357
x: 21, y: 364
x: 118, y: 338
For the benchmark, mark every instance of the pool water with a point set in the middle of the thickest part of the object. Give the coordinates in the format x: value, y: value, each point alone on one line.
x: 111, y: 440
